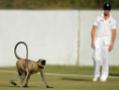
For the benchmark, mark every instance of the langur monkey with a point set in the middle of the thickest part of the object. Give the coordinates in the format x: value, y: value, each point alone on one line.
x: 26, y: 67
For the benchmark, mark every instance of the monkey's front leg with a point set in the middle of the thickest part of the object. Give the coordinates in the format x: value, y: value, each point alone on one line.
x: 43, y: 78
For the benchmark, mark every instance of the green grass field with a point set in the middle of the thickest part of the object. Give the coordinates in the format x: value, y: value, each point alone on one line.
x: 62, y: 78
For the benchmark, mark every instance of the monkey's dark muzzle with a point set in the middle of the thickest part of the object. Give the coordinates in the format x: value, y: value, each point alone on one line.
x: 43, y: 62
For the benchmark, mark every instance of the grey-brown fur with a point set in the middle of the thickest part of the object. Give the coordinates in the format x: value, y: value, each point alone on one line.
x: 26, y: 67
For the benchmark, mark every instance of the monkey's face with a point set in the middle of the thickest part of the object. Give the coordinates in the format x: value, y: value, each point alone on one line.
x: 41, y: 62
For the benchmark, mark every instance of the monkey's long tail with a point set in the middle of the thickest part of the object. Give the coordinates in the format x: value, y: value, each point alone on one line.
x: 21, y: 42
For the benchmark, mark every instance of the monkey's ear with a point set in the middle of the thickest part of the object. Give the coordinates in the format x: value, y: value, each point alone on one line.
x: 38, y: 61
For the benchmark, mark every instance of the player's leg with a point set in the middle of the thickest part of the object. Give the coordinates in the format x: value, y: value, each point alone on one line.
x: 105, y: 64
x: 97, y: 58
x: 97, y: 63
x: 96, y: 70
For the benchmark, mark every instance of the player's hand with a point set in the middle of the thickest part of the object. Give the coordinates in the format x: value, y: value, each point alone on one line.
x: 110, y: 47
x: 92, y: 45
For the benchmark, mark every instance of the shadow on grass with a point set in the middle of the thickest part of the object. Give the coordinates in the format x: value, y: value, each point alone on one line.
x: 30, y: 87
x: 114, y: 74
x: 75, y: 79
x: 22, y: 87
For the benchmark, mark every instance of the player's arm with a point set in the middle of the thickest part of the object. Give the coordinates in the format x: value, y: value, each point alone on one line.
x: 93, y: 35
x: 112, y: 39
x: 113, y: 36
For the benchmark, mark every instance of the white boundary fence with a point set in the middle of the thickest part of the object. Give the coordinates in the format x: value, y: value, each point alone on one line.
x: 62, y: 37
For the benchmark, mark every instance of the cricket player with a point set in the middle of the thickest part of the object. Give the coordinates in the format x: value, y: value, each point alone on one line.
x: 103, y: 35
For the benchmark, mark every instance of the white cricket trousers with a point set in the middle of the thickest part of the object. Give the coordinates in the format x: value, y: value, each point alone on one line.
x: 100, y: 57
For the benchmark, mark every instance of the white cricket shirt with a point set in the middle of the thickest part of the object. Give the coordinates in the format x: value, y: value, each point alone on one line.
x: 104, y: 27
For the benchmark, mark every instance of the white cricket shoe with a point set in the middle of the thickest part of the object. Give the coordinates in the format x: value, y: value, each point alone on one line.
x: 103, y: 79
x: 95, y: 79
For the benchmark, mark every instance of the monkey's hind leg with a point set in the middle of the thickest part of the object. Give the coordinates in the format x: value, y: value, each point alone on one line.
x: 13, y: 81
x: 25, y: 79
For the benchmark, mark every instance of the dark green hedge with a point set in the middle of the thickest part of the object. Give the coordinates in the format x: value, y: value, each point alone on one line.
x: 55, y: 4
